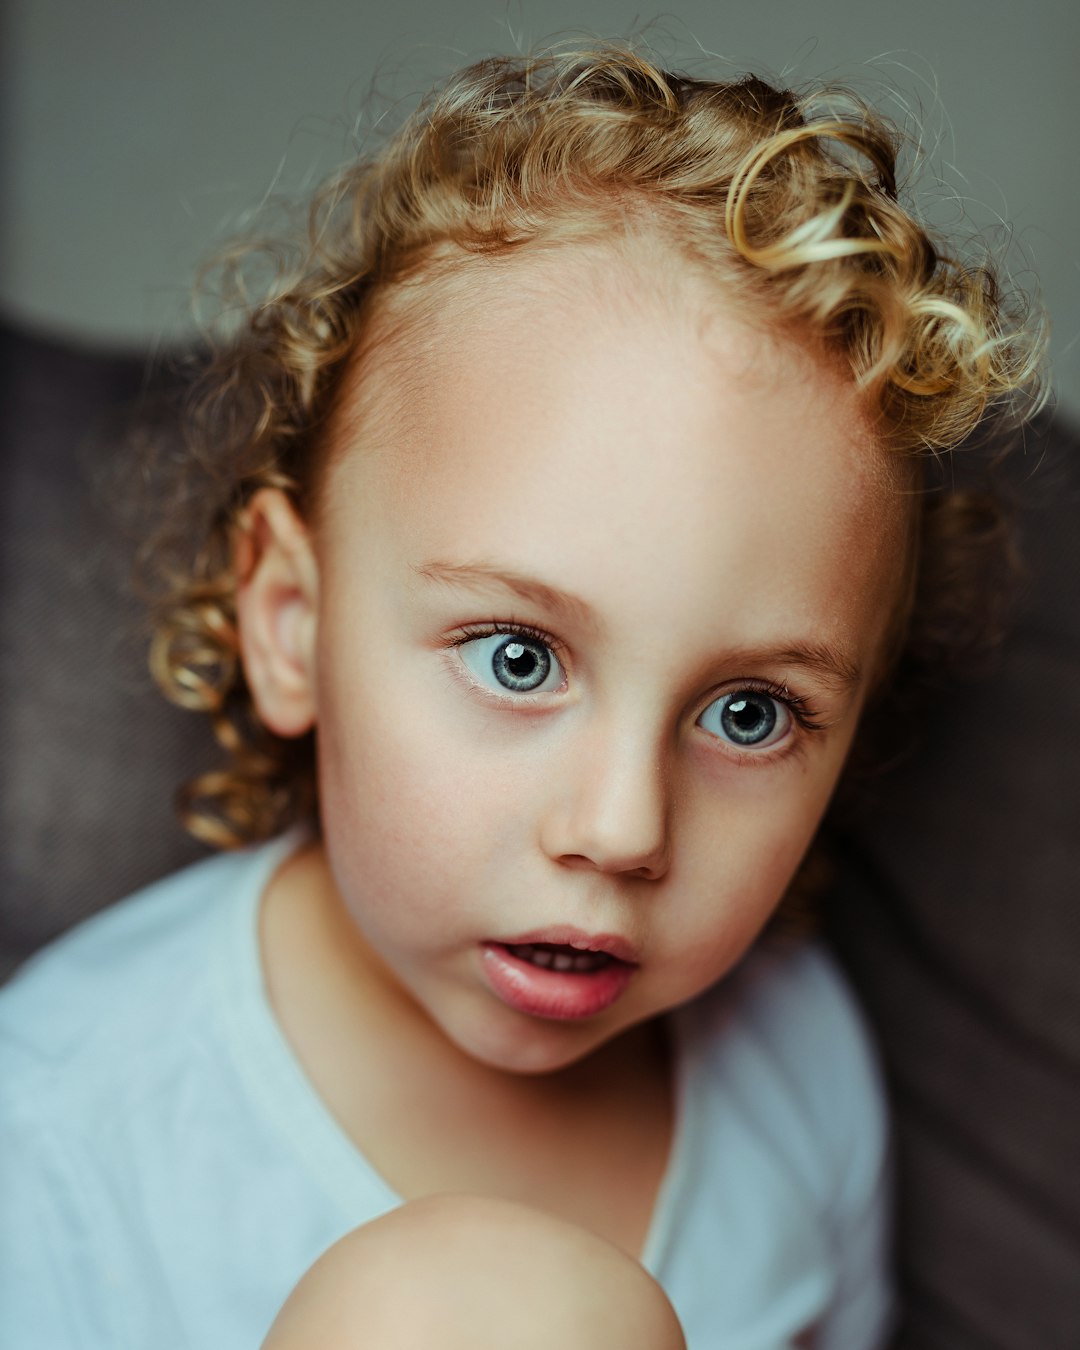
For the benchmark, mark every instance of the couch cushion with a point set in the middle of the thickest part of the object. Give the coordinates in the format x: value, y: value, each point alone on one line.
x: 92, y: 753
x: 958, y: 916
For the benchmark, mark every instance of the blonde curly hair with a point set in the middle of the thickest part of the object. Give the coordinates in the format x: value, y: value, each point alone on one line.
x: 788, y: 200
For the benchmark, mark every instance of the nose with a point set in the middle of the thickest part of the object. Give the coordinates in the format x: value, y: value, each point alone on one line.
x: 612, y: 809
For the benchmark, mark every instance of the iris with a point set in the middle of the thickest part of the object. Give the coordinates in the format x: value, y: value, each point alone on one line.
x: 521, y: 664
x: 748, y: 718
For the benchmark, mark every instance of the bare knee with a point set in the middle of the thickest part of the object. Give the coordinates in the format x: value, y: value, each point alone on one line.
x: 460, y: 1272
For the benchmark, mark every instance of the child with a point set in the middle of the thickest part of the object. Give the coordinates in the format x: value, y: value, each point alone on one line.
x: 561, y: 514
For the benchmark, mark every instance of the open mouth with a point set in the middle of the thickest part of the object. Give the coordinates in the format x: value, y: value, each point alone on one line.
x: 559, y: 956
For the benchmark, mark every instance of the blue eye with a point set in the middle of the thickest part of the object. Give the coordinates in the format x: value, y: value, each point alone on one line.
x: 746, y: 718
x: 512, y: 662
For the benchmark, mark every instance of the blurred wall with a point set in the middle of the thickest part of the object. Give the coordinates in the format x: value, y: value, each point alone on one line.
x: 138, y: 132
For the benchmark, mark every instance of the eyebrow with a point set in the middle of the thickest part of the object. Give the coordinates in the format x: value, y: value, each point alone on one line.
x: 482, y: 576
x: 822, y: 659
x: 831, y: 666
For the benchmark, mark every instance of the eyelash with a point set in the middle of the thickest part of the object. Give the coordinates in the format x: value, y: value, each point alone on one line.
x: 511, y: 629
x: 800, y: 707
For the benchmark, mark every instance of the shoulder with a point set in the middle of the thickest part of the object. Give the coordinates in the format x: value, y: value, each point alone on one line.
x: 785, y: 1033
x: 139, y: 1121
x: 119, y: 986
x: 797, y: 1000
x: 107, y: 960
x: 792, y: 1001
x: 783, y: 1159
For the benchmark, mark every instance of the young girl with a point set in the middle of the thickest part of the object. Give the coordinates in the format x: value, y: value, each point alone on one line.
x: 561, y: 513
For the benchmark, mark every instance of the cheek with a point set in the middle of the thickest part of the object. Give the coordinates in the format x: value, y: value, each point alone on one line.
x: 415, y: 810
x: 391, y: 793
x: 741, y: 854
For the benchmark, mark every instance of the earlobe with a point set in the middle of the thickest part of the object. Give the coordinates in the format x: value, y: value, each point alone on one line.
x: 277, y: 610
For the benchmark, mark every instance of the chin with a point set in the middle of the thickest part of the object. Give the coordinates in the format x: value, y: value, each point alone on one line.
x: 530, y: 1046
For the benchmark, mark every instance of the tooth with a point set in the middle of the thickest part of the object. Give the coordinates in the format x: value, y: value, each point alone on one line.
x: 541, y: 958
x: 563, y: 962
x: 523, y: 952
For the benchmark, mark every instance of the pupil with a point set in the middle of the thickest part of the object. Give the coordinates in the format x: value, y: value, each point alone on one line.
x: 521, y: 666
x: 519, y: 662
x: 749, y: 718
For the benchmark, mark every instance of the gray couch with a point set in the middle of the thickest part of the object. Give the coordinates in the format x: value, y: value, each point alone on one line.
x: 956, y: 908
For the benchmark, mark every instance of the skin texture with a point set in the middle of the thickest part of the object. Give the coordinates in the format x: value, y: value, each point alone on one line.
x: 463, y: 1273
x: 712, y: 498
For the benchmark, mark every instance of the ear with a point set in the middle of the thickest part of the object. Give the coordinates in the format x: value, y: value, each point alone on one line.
x: 277, y: 610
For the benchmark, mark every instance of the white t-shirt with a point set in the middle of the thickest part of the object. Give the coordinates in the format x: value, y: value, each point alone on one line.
x: 167, y: 1172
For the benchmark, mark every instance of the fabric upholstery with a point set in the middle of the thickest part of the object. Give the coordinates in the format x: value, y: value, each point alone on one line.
x: 958, y: 917
x: 92, y: 753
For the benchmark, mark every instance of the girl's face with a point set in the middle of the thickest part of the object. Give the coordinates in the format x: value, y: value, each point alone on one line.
x: 602, y: 576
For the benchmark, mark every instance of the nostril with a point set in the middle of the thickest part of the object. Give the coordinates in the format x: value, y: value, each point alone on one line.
x: 612, y: 815
x: 578, y: 860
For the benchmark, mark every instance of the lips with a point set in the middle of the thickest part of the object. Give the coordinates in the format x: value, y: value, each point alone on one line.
x: 559, y: 973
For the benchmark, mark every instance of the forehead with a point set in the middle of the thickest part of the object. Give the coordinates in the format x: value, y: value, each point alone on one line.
x: 605, y: 419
